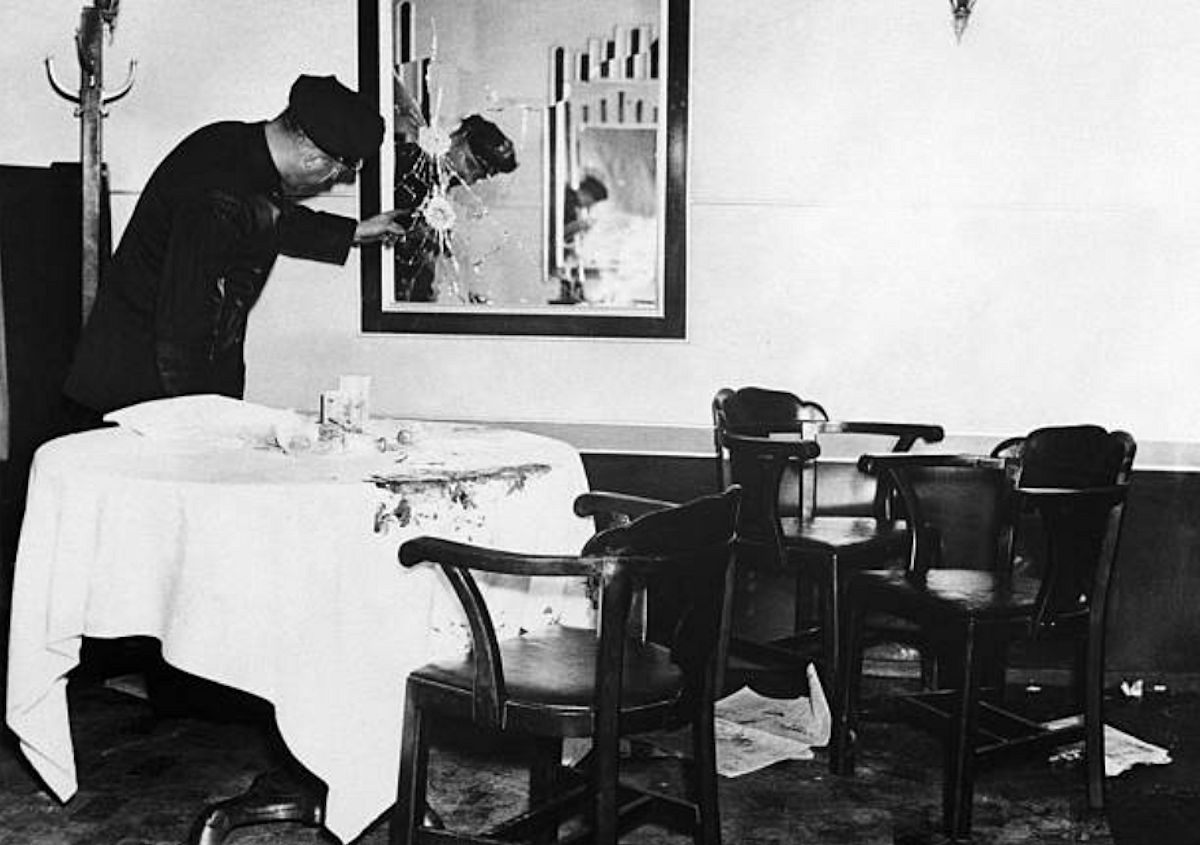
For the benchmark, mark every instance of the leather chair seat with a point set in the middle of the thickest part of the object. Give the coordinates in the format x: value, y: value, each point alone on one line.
x: 845, y: 535
x: 972, y: 592
x: 556, y: 670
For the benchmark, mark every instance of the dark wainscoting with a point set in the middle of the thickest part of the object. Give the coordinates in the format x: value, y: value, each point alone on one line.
x: 1154, y: 625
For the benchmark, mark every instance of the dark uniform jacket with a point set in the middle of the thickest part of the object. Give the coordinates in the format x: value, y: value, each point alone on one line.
x: 170, y: 313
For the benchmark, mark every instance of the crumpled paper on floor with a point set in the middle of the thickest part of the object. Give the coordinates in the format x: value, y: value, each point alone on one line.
x: 754, y: 732
x: 1121, y: 750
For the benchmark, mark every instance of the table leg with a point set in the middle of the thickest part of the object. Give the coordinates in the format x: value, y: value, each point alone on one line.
x: 279, y: 795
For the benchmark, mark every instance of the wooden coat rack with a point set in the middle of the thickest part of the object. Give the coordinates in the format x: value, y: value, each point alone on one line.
x: 90, y: 102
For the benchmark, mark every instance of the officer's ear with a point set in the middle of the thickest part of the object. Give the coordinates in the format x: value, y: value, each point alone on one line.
x: 312, y: 161
x: 307, y: 156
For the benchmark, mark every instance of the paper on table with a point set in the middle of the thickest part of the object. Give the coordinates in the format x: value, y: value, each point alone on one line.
x: 1121, y: 750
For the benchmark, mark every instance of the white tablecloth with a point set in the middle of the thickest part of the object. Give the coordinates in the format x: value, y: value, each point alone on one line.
x: 276, y: 574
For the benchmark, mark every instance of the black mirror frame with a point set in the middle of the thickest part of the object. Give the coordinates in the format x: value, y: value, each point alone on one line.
x: 670, y: 324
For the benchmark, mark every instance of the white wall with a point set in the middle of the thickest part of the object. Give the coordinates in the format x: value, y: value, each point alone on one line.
x: 989, y: 235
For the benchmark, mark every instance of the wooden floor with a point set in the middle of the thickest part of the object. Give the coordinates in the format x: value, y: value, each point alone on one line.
x: 145, y: 775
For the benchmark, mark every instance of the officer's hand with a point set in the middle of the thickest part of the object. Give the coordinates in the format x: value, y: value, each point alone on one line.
x: 385, y: 228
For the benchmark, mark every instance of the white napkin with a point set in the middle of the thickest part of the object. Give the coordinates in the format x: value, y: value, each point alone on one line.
x: 209, y: 417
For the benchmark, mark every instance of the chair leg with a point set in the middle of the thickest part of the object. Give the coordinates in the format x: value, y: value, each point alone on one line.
x: 848, y: 689
x: 605, y: 772
x: 995, y: 671
x: 1079, y: 671
x: 1093, y: 721
x: 409, y: 811
x: 545, y: 771
x: 958, y: 783
x: 831, y: 622
x: 704, y: 772
x: 929, y: 669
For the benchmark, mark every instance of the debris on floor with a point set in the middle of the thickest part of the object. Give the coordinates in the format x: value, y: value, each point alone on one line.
x: 1121, y: 750
x: 754, y: 731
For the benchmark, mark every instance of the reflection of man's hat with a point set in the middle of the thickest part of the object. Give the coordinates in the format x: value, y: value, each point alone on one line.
x: 594, y: 187
x: 488, y: 144
x: 338, y: 120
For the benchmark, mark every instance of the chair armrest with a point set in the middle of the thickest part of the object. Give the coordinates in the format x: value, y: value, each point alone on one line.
x: 467, y: 556
x: 599, y: 502
x: 906, y: 434
x: 803, y: 450
x: 1109, y: 494
x: 875, y: 462
x: 765, y: 429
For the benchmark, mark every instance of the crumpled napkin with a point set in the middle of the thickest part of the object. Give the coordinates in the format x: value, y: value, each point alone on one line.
x: 213, y: 418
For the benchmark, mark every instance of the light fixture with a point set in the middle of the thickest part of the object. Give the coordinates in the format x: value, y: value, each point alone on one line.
x: 961, y: 10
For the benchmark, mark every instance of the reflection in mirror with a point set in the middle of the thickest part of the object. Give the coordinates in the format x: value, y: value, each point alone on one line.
x: 604, y: 198
x: 537, y: 169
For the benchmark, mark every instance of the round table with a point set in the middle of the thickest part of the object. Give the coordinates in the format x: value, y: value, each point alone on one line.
x: 276, y: 573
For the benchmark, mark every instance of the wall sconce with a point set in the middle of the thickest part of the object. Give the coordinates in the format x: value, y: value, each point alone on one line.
x: 961, y: 10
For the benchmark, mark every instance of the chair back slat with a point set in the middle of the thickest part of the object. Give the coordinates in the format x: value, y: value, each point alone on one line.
x: 758, y: 410
x: 1078, y: 535
x: 1075, y: 456
x: 684, y: 551
x: 961, y: 515
x: 772, y: 487
x: 489, y: 686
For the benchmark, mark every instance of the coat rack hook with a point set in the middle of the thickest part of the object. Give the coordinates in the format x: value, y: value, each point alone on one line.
x: 960, y: 10
x: 124, y: 88
x: 59, y: 89
x: 88, y: 52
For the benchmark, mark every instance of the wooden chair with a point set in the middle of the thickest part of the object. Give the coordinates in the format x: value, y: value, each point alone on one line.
x: 569, y: 682
x: 972, y: 604
x: 816, y: 520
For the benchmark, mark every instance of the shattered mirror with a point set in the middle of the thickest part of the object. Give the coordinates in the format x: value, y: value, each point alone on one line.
x: 537, y: 152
